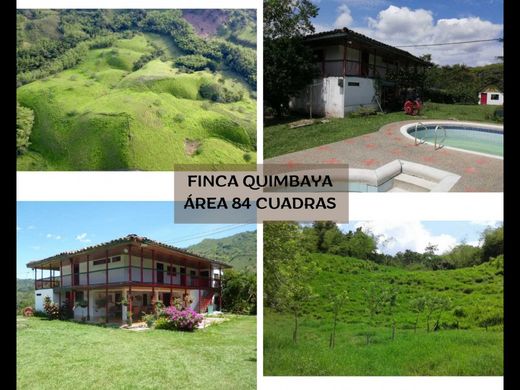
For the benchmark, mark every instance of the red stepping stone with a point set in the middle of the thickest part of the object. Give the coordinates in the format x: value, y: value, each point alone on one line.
x: 332, y: 161
x: 397, y: 152
x: 470, y: 170
x: 327, y: 148
x: 369, y: 162
x: 482, y: 161
x: 428, y: 159
x: 349, y: 141
x: 370, y: 146
x: 291, y: 163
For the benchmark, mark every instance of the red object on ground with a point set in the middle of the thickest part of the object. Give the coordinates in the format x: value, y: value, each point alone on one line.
x: 412, y: 107
x: 483, y: 98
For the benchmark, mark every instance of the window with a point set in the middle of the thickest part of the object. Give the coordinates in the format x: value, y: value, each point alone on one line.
x: 115, y: 259
x: 353, y: 84
x: 193, y: 273
x: 39, y: 295
x: 171, y: 271
x: 145, y: 300
x: 494, y: 96
x: 99, y: 262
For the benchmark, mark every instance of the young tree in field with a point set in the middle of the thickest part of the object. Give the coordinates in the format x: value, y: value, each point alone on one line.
x: 417, y: 306
x: 286, y: 271
x: 288, y: 63
x: 338, y: 302
x: 374, y: 304
x: 390, y: 303
x: 493, y: 243
x: 443, y: 304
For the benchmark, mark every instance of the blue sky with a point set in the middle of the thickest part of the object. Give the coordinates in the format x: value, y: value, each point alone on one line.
x: 47, y: 228
x: 408, y: 22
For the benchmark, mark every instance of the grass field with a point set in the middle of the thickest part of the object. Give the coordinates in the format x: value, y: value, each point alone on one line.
x: 280, y: 139
x: 461, y: 347
x: 102, y: 115
x: 67, y: 355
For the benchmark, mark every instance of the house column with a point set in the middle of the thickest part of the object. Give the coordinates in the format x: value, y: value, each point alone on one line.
x: 153, y: 273
x: 345, y: 59
x: 61, y: 281
x: 141, y: 265
x: 199, y: 286
x: 106, y: 286
x: 88, y: 288
x: 375, y: 62
x: 35, y: 278
x: 220, y: 288
x: 72, y: 297
x: 129, y: 315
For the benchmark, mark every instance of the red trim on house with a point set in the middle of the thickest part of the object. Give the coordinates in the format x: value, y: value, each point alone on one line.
x: 141, y: 265
x: 88, y: 288
x: 153, y: 273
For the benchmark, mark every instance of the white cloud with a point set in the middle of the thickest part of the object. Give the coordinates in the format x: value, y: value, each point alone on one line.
x: 322, y: 27
x: 31, y: 227
x: 344, y: 18
x: 53, y: 236
x: 401, y: 26
x: 413, y: 235
x: 82, y: 238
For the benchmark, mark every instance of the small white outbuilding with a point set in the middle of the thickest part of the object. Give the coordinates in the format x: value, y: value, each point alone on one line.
x: 491, y: 96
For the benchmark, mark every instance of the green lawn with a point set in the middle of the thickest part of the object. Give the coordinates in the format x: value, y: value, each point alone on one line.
x: 448, y: 352
x: 280, y: 139
x: 67, y: 355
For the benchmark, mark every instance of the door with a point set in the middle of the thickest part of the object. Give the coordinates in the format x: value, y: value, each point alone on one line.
x: 193, y: 278
x: 160, y: 273
x: 183, y: 276
x: 204, y: 279
x: 483, y: 98
x: 166, y: 299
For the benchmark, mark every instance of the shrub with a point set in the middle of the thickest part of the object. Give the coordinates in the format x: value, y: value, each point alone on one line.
x: 186, y: 319
x: 179, y: 118
x: 164, y: 323
x: 51, y: 309
x: 247, y: 157
x: 24, y: 124
x: 149, y: 319
x: 27, y: 311
x: 39, y: 314
x: 194, y: 62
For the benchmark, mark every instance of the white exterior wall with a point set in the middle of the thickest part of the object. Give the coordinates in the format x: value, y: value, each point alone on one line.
x: 327, y: 98
x: 118, y: 271
x: 362, y: 95
x: 490, y: 102
x: 39, y: 297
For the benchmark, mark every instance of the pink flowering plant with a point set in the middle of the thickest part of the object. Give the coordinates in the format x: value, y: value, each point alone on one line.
x: 182, y: 319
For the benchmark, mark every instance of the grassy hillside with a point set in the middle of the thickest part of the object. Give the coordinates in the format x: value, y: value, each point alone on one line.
x: 238, y: 250
x: 132, y: 90
x: 121, y: 359
x: 101, y: 115
x: 461, y: 345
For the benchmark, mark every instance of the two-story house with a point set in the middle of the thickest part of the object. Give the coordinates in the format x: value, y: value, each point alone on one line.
x: 100, y: 279
x: 354, y: 72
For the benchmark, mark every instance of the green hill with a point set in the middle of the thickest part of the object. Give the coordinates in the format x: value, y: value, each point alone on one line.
x: 132, y: 99
x: 24, y: 293
x: 467, y: 341
x: 238, y: 250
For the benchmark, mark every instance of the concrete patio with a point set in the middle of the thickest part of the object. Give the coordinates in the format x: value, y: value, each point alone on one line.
x: 478, y: 173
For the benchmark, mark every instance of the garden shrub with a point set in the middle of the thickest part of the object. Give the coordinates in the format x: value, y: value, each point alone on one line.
x: 27, y: 311
x: 51, y: 309
x: 186, y: 319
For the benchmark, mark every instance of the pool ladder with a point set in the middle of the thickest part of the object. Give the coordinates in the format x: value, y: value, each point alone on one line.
x: 438, y: 143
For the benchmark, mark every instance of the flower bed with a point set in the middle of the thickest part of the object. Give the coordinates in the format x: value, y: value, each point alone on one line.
x: 173, y: 318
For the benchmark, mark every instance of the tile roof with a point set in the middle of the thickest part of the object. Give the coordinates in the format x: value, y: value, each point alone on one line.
x: 126, y: 239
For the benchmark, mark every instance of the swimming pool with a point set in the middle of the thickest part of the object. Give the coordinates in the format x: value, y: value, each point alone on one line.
x: 469, y: 137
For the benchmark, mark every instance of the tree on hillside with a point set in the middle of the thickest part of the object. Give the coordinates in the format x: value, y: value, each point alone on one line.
x: 24, y: 124
x: 492, y: 243
x: 435, y: 304
x: 390, y: 303
x: 463, y: 255
x: 321, y: 228
x: 288, y: 63
x: 417, y: 306
x: 374, y: 305
x: 338, y: 301
x: 239, y: 292
x: 287, y: 272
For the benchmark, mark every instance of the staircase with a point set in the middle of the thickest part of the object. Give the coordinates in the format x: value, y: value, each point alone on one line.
x: 408, y: 183
x: 204, y: 303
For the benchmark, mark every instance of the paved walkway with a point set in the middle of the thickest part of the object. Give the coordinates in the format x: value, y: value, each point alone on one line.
x: 370, y: 151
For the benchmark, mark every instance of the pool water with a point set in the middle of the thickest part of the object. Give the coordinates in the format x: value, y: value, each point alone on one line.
x: 476, y: 139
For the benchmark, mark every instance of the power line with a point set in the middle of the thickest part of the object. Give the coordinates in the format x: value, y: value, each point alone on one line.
x: 188, y: 238
x: 455, y: 43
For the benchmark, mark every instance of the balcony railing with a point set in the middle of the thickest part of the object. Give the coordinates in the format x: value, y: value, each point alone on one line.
x: 46, y: 283
x: 121, y: 275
